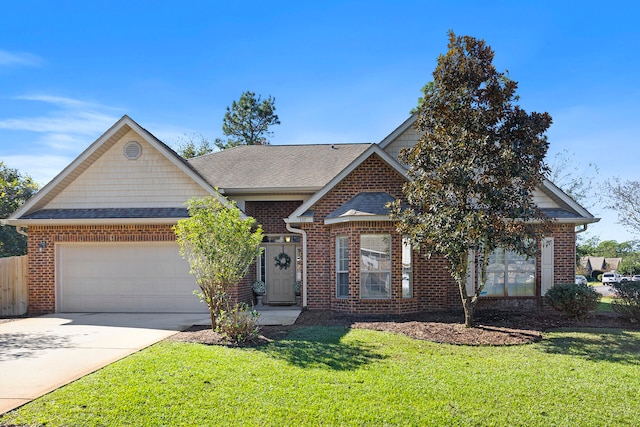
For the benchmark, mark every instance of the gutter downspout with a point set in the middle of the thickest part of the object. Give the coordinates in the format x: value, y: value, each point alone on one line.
x: 19, y: 228
x: 304, y: 261
x: 584, y: 228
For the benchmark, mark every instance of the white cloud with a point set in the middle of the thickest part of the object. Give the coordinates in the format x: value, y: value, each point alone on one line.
x: 69, y: 123
x: 76, y: 122
x: 41, y: 168
x: 61, y: 101
x: 8, y: 59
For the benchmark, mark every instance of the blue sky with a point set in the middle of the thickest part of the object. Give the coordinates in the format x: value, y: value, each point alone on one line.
x: 340, y: 72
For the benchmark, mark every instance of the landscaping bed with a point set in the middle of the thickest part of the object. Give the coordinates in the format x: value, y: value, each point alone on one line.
x: 496, y: 328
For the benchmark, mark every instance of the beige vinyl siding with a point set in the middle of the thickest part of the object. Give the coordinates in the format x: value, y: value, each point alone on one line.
x: 408, y: 138
x: 114, y: 181
x: 543, y: 201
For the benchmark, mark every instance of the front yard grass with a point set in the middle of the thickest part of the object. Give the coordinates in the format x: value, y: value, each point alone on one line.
x: 605, y: 305
x: 337, y: 376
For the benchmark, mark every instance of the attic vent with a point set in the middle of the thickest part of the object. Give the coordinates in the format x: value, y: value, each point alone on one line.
x: 132, y: 150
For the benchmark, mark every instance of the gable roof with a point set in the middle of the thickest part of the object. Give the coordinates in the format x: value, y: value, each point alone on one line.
x: 276, y: 168
x: 86, y: 159
x: 302, y: 215
x: 568, y: 209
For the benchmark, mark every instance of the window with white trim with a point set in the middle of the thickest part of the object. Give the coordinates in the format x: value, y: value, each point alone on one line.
x: 342, y: 266
x: 510, y: 274
x: 407, y: 269
x: 375, y: 266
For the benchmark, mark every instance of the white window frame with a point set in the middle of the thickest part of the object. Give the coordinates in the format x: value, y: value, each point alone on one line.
x: 342, y: 242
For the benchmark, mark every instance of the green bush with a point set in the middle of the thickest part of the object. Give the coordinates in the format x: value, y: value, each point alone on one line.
x: 238, y: 324
x: 574, y: 300
x: 627, y: 300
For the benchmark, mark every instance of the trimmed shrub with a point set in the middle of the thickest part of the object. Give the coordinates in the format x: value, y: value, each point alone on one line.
x: 574, y: 300
x: 627, y: 302
x: 238, y: 324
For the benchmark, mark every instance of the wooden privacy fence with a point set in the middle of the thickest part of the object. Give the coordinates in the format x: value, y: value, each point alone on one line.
x: 14, y: 292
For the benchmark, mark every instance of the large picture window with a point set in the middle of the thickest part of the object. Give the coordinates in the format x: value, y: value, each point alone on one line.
x: 510, y: 274
x: 342, y: 266
x: 375, y: 266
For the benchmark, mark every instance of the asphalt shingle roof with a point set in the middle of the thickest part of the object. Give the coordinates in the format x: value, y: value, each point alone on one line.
x: 364, y: 204
x: 559, y: 213
x: 100, y: 213
x: 288, y: 167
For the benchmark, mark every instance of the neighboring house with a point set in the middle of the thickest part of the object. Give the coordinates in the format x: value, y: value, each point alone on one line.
x: 101, y: 237
x: 595, y: 265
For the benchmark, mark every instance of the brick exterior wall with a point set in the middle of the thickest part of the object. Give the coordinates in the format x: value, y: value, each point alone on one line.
x: 271, y: 214
x: 433, y: 286
x: 372, y: 175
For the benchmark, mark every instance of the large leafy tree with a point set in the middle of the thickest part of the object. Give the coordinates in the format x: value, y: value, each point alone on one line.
x: 474, y: 168
x: 248, y: 120
x: 220, y: 245
x: 624, y: 197
x: 15, y: 189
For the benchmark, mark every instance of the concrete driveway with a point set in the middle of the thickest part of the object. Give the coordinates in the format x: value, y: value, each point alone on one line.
x: 604, y: 290
x: 40, y: 354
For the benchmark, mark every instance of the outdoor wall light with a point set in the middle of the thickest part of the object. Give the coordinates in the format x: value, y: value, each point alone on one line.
x: 41, y: 246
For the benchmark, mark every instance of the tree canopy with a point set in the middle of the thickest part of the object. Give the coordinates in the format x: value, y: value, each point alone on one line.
x: 248, y: 120
x: 188, y: 148
x: 15, y: 189
x: 475, y: 166
x: 624, y: 197
x: 220, y: 245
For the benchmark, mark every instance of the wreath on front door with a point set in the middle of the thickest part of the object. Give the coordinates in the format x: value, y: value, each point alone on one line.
x: 283, y: 261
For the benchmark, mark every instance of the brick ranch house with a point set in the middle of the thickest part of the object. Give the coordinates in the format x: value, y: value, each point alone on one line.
x: 100, y: 235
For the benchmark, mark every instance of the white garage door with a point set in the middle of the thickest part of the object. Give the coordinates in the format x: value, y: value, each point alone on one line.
x: 125, y: 277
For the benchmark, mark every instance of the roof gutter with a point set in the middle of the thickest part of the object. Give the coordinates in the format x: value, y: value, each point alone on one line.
x: 20, y: 229
x: 21, y: 223
x: 583, y: 229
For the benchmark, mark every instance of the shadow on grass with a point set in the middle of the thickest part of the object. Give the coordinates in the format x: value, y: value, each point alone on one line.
x: 609, y: 345
x: 321, y: 347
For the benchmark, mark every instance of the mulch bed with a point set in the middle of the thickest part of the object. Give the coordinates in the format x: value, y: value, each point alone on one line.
x: 496, y: 328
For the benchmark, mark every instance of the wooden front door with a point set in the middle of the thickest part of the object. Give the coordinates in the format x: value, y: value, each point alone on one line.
x: 280, y: 280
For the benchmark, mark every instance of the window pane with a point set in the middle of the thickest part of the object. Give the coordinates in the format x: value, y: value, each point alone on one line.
x: 521, y: 275
x: 495, y: 274
x: 342, y: 266
x: 375, y: 266
x: 510, y: 274
x: 375, y: 285
x: 407, y: 269
x: 343, y: 285
x: 262, y: 275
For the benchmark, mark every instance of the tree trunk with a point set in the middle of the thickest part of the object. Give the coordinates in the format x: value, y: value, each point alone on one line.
x: 469, y: 305
x: 214, y: 323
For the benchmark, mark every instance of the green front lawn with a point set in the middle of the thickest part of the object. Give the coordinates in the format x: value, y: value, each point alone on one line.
x: 605, y: 304
x: 336, y: 376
